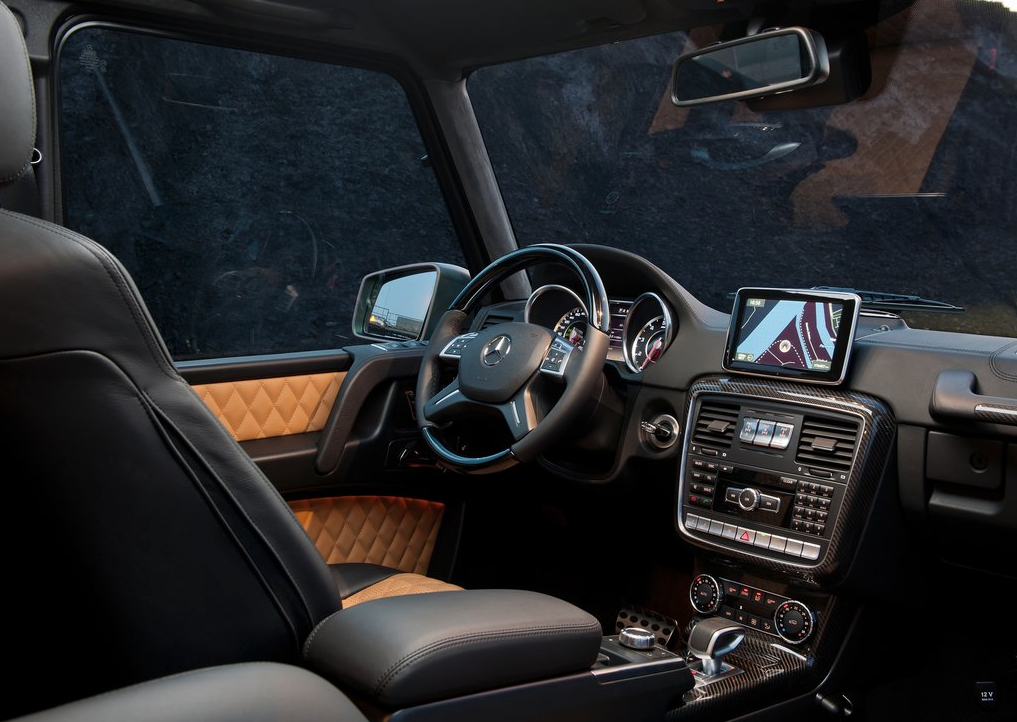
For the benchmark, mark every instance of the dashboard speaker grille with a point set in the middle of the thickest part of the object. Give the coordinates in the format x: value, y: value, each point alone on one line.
x: 827, y: 442
x: 715, y: 425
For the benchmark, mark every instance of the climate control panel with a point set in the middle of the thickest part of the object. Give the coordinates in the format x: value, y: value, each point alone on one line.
x: 790, y: 619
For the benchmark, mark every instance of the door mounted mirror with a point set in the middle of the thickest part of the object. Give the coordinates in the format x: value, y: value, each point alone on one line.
x: 396, y: 304
x: 770, y: 62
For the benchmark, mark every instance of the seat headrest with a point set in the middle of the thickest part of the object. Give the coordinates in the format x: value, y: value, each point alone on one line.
x: 17, y: 116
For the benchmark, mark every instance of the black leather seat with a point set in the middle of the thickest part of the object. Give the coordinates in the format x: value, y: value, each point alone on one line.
x: 131, y: 521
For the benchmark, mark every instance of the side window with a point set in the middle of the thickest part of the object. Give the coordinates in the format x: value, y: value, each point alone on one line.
x: 246, y: 193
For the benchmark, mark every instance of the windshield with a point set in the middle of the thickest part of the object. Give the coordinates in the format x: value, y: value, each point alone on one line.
x: 908, y: 190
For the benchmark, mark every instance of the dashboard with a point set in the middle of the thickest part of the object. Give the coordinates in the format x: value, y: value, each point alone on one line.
x: 818, y: 449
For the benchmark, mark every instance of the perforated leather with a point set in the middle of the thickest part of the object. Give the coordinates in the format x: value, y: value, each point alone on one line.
x: 263, y: 408
x: 399, y: 585
x: 392, y: 531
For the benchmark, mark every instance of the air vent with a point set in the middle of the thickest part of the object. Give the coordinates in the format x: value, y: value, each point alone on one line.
x: 827, y: 443
x: 715, y: 425
x: 493, y: 318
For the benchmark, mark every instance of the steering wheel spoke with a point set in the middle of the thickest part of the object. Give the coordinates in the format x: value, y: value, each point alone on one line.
x: 447, y: 403
x: 521, y: 412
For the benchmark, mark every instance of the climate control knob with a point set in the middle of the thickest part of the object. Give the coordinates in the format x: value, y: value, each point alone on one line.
x: 794, y: 621
x: 706, y: 594
x: 748, y: 499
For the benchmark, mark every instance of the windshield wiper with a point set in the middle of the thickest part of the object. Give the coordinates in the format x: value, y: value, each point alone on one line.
x: 896, y: 301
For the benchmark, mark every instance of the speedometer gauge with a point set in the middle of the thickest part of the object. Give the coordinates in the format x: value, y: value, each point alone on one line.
x: 648, y: 332
x: 572, y: 327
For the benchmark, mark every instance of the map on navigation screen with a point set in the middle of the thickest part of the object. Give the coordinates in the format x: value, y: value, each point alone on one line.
x: 788, y: 333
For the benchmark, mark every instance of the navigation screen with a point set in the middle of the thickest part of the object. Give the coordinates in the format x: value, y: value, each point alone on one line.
x: 804, y: 334
x: 799, y: 334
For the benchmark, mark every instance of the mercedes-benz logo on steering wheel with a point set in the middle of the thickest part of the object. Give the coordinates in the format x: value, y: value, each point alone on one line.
x: 496, y: 349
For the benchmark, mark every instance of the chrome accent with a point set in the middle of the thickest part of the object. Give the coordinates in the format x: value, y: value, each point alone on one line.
x: 665, y: 312
x: 637, y: 638
x: 496, y: 349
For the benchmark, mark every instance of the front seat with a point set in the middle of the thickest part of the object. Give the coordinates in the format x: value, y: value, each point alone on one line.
x: 131, y: 520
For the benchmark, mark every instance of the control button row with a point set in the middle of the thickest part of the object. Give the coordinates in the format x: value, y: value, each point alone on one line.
x: 811, y: 514
x: 811, y: 487
x: 752, y: 537
x: 756, y: 596
x: 760, y: 432
x: 704, y: 476
x: 808, y: 527
x: 700, y: 500
x: 764, y: 624
x: 703, y: 465
x: 816, y: 502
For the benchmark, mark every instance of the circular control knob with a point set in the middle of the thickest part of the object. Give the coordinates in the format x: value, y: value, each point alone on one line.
x: 706, y: 594
x: 794, y: 621
x: 748, y: 499
x: 637, y: 638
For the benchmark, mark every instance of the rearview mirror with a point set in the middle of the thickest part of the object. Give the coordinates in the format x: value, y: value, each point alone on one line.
x: 403, y: 304
x: 770, y: 62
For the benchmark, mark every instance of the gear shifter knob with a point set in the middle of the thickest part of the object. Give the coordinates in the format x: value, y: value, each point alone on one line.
x: 711, y: 639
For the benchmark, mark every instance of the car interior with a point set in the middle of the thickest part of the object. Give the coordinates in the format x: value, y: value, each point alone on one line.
x: 508, y: 360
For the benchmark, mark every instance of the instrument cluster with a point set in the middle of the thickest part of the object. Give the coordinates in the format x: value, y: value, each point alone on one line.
x: 641, y: 328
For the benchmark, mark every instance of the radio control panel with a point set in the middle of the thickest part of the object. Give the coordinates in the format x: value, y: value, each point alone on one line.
x: 765, y: 478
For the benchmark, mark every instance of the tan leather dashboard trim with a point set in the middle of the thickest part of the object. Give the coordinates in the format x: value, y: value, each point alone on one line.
x: 263, y: 408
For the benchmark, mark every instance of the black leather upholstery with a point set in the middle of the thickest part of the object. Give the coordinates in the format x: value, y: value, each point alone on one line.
x: 403, y: 651
x: 17, y: 121
x: 238, y: 693
x: 140, y: 539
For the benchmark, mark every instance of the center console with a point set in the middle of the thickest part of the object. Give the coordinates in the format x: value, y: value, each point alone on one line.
x: 778, y: 473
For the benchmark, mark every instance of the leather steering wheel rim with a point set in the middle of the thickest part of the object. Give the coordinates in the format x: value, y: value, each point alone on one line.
x: 532, y: 346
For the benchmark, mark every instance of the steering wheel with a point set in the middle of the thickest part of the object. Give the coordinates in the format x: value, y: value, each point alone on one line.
x: 512, y: 369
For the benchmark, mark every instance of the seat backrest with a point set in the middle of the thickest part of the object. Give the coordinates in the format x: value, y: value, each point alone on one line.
x: 139, y: 539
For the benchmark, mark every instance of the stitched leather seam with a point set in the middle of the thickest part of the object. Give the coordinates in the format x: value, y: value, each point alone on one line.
x: 390, y: 675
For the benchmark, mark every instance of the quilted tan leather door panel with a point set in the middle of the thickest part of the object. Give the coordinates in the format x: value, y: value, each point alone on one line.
x: 265, y: 408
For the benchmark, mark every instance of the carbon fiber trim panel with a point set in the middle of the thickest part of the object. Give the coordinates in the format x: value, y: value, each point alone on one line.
x: 875, y: 439
x: 772, y: 671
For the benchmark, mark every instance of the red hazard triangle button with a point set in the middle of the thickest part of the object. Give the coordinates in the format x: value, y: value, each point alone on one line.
x: 744, y: 537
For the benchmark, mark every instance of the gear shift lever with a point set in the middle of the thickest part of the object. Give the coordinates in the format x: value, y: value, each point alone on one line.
x: 711, y: 639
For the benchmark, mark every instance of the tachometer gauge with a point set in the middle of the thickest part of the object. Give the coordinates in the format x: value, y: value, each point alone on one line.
x: 649, y: 343
x: 572, y: 327
x: 648, y: 332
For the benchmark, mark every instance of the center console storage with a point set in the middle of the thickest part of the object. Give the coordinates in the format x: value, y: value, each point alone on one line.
x: 486, y: 654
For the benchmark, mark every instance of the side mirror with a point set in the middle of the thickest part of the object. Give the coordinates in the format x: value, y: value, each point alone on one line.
x: 770, y: 62
x: 404, y: 303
